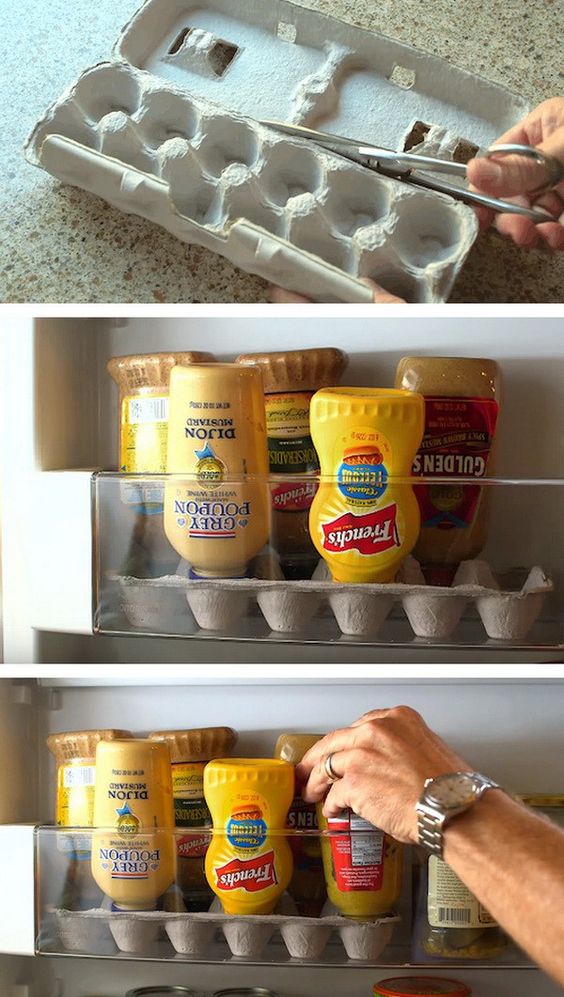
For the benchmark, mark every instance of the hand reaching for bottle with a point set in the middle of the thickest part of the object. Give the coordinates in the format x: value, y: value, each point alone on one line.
x: 382, y: 761
x: 514, y: 177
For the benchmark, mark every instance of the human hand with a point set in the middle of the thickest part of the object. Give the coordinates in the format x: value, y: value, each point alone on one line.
x: 380, y: 297
x: 511, y: 177
x: 382, y: 760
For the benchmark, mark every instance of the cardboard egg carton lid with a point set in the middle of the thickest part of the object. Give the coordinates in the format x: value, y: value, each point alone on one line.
x: 247, y: 936
x: 170, y: 132
x: 360, y: 610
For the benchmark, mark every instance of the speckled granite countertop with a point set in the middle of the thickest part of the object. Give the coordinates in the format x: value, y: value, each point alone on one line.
x: 61, y: 244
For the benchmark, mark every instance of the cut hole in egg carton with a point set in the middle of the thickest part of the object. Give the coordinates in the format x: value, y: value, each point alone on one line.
x: 169, y: 131
x: 247, y: 936
x: 433, y: 612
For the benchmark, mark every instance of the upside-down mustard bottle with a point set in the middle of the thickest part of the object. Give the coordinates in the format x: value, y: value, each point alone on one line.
x: 364, y: 520
x: 462, y: 405
x: 249, y: 861
x: 217, y: 505
x: 307, y: 887
x: 363, y: 865
x: 190, y: 751
x: 75, y: 755
x: 143, y: 383
x: 133, y: 846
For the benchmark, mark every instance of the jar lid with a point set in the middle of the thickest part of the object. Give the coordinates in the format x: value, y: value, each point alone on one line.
x: 421, y: 986
x: 164, y: 991
x: 199, y: 744
x: 244, y: 992
x: 543, y: 800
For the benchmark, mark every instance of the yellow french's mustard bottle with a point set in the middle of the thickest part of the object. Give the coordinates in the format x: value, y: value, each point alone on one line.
x: 364, y: 519
x: 218, y: 516
x: 249, y: 861
x: 133, y: 844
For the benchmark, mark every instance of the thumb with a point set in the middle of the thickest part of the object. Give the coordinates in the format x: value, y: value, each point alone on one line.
x: 506, y: 176
x: 379, y: 294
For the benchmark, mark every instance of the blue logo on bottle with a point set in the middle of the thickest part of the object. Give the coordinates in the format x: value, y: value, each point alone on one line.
x: 363, y: 476
x: 246, y: 830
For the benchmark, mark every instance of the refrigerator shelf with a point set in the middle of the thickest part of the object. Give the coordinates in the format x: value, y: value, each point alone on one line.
x: 75, y: 918
x: 507, y: 598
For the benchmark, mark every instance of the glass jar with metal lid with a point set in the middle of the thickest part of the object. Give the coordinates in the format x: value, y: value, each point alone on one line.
x: 449, y: 921
x: 421, y: 986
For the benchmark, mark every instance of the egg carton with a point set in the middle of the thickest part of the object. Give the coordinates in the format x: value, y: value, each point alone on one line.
x: 170, y: 132
x: 247, y: 936
x: 433, y: 612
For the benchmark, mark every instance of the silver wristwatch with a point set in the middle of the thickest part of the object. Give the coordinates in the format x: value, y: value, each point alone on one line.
x: 443, y: 798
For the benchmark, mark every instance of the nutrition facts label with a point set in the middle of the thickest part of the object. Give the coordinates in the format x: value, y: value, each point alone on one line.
x: 366, y: 849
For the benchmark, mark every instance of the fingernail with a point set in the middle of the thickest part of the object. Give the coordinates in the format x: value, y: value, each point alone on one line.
x: 491, y: 173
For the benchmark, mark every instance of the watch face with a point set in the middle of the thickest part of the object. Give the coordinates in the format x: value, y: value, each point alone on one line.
x: 452, y: 791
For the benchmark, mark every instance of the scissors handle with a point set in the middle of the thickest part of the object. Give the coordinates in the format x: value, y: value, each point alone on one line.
x: 553, y: 167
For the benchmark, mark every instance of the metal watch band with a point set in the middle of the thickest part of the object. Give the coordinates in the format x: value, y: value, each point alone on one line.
x: 432, y: 821
x: 430, y: 830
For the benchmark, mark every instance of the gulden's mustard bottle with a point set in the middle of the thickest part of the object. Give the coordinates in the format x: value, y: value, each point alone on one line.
x: 364, y: 521
x: 133, y: 844
x: 218, y: 516
x: 249, y: 861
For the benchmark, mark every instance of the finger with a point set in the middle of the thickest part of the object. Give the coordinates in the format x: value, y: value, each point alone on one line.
x: 380, y: 296
x: 319, y: 783
x: 280, y: 296
x: 521, y: 230
x: 552, y: 233
x: 485, y: 215
x: 505, y: 176
x: 552, y: 202
x: 338, y: 799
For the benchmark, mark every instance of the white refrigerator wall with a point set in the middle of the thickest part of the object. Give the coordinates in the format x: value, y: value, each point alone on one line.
x: 513, y: 731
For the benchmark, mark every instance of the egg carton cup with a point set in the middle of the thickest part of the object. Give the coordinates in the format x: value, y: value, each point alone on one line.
x: 169, y: 131
x: 433, y: 612
x: 247, y: 936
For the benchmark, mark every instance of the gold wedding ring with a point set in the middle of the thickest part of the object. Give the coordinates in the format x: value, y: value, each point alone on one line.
x: 329, y: 770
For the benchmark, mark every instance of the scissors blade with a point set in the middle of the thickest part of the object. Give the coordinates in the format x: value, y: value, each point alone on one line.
x: 409, y: 168
x: 536, y: 215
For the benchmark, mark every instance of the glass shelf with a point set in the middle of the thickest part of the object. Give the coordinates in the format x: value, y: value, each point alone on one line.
x: 509, y: 596
x: 75, y: 918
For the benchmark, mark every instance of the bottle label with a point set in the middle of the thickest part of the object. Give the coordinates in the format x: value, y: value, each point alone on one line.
x: 290, y: 448
x: 247, y: 861
x: 357, y: 850
x: 449, y: 903
x: 135, y: 861
x: 293, y: 496
x: 370, y: 534
x: 75, y: 797
x: 250, y: 875
x: 362, y: 481
x: 144, y: 428
x: 207, y: 517
x: 190, y: 808
x: 306, y: 850
x: 457, y: 441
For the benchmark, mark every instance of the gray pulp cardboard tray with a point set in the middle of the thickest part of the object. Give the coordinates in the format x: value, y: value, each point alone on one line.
x: 168, y: 130
x: 433, y: 612
x: 246, y: 935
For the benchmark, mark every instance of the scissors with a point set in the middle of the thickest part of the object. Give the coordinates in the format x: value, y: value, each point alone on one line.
x: 411, y: 168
